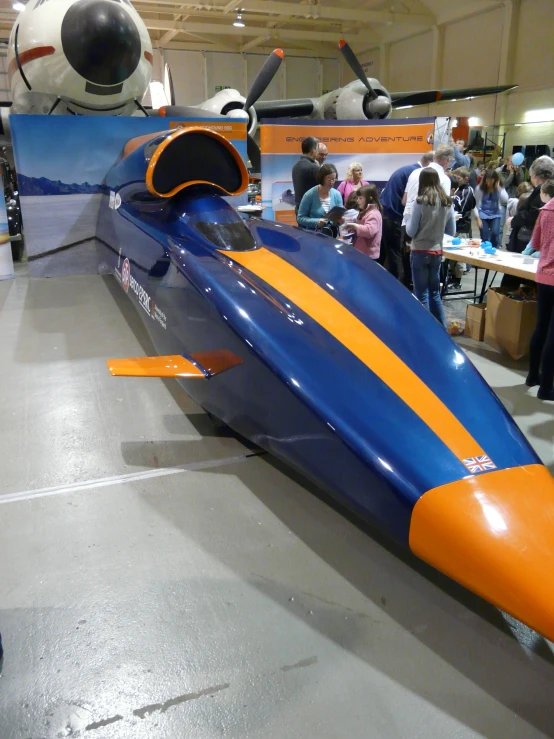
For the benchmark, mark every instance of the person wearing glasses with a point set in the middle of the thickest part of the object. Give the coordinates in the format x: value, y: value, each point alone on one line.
x: 317, y: 202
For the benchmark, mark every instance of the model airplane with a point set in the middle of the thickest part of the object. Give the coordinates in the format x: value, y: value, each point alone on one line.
x: 94, y: 57
x: 315, y: 353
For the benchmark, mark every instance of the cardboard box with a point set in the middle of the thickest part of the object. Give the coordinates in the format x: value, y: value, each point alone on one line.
x: 475, y: 321
x: 509, y: 323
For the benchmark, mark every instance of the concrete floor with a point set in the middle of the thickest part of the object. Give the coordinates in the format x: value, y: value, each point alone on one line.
x: 158, y: 581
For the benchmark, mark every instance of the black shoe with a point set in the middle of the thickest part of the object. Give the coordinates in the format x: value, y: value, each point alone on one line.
x: 532, y: 380
x: 455, y: 286
x: 545, y: 394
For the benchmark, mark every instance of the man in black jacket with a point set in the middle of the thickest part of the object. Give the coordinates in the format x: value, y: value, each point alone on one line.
x: 305, y: 170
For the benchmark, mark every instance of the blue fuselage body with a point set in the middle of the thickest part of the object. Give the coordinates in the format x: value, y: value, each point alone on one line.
x: 300, y: 392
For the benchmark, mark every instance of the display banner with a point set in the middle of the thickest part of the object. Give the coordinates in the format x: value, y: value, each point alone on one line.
x: 61, y: 164
x: 380, y: 147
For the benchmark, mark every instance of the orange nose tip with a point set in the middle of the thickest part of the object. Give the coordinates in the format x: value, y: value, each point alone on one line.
x: 494, y: 534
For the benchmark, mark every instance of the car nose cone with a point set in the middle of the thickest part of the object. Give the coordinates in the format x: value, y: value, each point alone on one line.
x: 101, y: 41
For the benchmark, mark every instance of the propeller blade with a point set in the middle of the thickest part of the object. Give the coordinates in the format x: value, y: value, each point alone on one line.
x: 266, y: 74
x: 355, y: 66
x: 417, y: 98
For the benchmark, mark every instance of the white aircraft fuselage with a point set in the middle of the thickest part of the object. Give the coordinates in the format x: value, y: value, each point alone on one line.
x: 91, y: 57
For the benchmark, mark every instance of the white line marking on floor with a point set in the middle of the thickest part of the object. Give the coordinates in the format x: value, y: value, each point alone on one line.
x: 122, y: 479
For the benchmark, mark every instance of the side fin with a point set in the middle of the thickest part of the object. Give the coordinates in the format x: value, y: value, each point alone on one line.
x: 201, y: 365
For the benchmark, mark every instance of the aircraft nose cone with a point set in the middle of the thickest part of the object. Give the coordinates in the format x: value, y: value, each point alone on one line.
x: 101, y: 41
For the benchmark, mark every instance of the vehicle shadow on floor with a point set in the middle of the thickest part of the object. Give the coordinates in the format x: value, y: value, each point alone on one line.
x: 488, y: 647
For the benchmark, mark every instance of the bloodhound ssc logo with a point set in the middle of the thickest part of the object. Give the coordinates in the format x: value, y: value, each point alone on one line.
x: 126, y: 275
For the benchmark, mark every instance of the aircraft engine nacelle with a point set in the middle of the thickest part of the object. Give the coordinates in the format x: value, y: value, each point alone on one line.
x: 353, y: 102
x: 231, y: 104
x: 92, y: 56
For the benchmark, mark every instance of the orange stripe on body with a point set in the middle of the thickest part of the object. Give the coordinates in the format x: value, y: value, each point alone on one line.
x: 363, y: 343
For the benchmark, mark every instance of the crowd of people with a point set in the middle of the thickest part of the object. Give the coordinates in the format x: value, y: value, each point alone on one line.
x: 403, y: 227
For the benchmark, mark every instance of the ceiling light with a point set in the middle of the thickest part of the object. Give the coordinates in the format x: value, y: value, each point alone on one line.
x: 239, y: 23
x: 18, y: 6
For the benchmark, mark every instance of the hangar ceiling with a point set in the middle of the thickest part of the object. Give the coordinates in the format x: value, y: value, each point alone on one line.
x: 306, y: 25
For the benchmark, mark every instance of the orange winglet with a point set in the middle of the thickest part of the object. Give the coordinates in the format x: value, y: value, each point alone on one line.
x: 171, y: 366
x: 202, y: 366
x: 494, y: 534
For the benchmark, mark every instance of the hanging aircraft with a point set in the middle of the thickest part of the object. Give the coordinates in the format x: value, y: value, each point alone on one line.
x: 364, y: 98
x: 317, y: 354
x: 58, y: 63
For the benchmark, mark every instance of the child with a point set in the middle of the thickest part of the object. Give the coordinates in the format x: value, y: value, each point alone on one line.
x: 350, y: 216
x: 369, y: 225
x: 541, y: 356
x: 431, y: 217
x: 490, y: 196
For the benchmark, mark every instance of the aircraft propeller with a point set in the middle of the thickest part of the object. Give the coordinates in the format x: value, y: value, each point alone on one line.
x: 375, y: 106
x: 265, y: 75
x: 259, y: 86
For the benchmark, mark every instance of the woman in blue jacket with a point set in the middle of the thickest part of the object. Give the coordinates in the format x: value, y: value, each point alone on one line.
x: 318, y: 201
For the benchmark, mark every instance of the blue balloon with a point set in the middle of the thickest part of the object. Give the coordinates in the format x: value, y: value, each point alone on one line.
x: 517, y: 159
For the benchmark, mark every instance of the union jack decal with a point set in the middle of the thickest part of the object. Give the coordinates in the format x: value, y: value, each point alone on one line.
x: 475, y: 465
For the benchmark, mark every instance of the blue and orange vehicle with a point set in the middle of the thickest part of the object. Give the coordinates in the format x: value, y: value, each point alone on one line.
x: 315, y: 353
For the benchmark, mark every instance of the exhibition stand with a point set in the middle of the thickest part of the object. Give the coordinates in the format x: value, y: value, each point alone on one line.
x: 380, y: 146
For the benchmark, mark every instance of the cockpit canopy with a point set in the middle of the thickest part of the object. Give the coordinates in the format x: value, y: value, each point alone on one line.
x: 217, y: 221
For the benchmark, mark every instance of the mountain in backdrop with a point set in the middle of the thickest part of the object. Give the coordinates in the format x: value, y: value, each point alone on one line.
x: 44, y: 186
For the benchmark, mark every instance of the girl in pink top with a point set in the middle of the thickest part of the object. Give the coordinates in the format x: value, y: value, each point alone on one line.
x: 541, y: 356
x: 352, y: 180
x: 369, y: 225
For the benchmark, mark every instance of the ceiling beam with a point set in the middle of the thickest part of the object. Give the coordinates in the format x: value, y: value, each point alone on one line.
x: 323, y: 12
x: 147, y: 9
x: 156, y: 24
x: 254, y: 42
x: 322, y: 51
x: 168, y: 35
x: 333, y: 13
x: 230, y: 6
x: 166, y: 38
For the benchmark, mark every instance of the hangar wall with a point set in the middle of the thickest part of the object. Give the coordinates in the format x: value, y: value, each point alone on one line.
x: 198, y: 75
x: 471, y: 55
